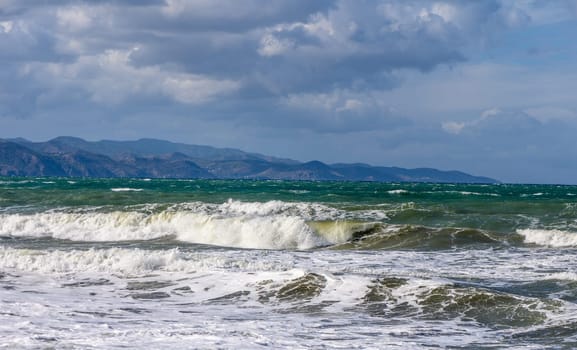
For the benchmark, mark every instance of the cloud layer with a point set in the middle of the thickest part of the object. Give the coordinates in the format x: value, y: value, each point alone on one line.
x: 409, y: 83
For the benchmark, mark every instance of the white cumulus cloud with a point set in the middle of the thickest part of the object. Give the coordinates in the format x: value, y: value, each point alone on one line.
x: 110, y: 78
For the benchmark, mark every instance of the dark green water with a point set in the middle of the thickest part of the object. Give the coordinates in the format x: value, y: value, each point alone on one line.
x: 260, y: 264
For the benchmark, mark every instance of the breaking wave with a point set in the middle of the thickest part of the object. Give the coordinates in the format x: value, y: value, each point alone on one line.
x: 549, y: 238
x: 271, y: 225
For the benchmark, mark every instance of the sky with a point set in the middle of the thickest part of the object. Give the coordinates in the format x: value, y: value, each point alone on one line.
x: 487, y: 87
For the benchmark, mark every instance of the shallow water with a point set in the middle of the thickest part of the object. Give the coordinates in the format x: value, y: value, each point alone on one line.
x: 117, y: 263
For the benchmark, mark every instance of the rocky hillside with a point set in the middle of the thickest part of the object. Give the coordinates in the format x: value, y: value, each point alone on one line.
x: 74, y: 157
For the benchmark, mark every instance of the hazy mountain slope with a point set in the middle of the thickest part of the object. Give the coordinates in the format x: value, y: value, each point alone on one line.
x: 17, y: 160
x: 69, y: 156
x: 145, y: 148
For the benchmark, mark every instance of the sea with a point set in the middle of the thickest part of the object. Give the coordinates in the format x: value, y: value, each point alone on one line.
x: 246, y: 264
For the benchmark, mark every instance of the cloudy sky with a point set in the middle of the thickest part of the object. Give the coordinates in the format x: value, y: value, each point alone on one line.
x: 488, y: 87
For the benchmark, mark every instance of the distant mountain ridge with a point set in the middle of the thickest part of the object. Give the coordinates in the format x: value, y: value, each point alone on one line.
x: 75, y: 157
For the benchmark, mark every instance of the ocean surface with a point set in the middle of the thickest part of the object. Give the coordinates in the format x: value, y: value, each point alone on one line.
x: 186, y: 264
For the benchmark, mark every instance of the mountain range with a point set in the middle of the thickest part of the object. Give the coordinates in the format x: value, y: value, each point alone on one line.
x: 150, y: 158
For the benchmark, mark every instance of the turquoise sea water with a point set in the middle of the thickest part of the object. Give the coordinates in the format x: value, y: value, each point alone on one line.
x: 147, y: 263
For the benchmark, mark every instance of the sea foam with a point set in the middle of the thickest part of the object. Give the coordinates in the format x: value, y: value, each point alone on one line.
x: 549, y: 238
x: 126, y: 189
x: 124, y: 261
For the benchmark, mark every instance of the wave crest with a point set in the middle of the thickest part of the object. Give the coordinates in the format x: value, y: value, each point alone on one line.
x: 270, y: 225
x: 549, y: 238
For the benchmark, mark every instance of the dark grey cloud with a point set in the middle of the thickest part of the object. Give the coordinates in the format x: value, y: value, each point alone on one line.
x: 283, y: 46
x: 276, y: 48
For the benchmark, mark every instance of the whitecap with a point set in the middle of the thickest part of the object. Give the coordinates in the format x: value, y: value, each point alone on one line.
x: 126, y: 189
x: 397, y: 191
x: 549, y: 238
